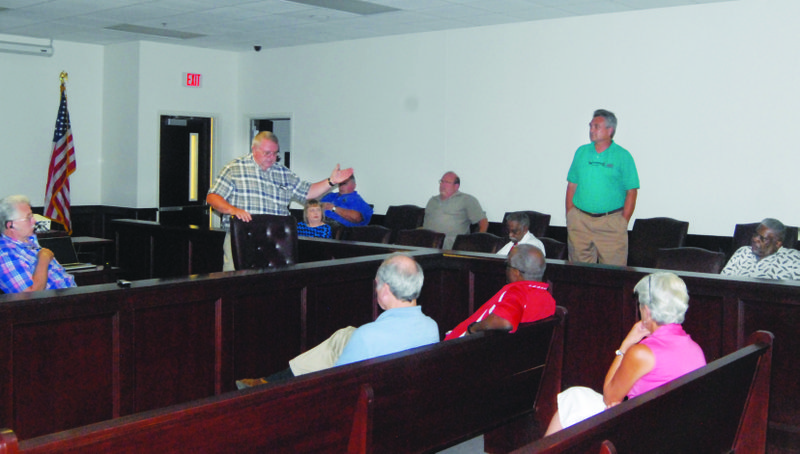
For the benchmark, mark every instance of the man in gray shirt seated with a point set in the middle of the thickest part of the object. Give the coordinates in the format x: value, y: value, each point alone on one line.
x: 766, y: 257
x: 452, y: 212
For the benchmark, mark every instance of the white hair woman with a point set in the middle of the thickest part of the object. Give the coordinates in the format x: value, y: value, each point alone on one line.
x: 656, y: 351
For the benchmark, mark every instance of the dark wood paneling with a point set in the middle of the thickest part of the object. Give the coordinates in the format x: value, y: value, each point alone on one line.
x: 174, y: 354
x: 67, y: 365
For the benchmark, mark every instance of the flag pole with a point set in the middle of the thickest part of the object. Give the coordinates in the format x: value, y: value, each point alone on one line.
x: 62, y: 165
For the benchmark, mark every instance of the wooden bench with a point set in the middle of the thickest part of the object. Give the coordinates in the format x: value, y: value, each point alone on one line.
x: 720, y: 408
x: 419, y: 400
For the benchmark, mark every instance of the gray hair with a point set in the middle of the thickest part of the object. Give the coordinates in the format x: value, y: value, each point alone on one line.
x: 9, y: 209
x: 404, y: 281
x: 264, y: 135
x: 529, y: 260
x: 777, y: 228
x: 666, y: 296
x: 608, y: 117
x: 519, y: 216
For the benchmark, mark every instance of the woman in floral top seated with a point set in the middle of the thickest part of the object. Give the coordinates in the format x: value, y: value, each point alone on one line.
x: 313, y: 225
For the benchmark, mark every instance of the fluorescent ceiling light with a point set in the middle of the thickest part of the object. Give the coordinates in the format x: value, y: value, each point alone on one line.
x: 349, y: 6
x: 154, y: 31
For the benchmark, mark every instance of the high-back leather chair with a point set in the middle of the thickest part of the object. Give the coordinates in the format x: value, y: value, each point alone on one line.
x: 690, y: 259
x: 539, y: 222
x: 554, y: 249
x: 267, y: 241
x: 403, y: 217
x: 368, y: 234
x: 479, y: 242
x: 743, y: 233
x: 420, y: 238
x: 649, y: 235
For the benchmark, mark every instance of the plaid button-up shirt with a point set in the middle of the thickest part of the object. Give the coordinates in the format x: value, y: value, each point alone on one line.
x: 18, y: 261
x: 243, y: 184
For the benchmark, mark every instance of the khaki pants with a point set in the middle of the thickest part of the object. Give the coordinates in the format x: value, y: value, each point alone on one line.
x: 324, y: 355
x: 601, y: 239
x: 227, y: 254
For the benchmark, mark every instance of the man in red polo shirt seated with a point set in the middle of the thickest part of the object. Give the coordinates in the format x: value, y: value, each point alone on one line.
x: 524, y: 299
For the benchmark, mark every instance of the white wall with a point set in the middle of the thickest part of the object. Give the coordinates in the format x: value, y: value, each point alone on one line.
x: 29, y: 98
x: 116, y: 95
x: 162, y: 93
x: 706, y: 97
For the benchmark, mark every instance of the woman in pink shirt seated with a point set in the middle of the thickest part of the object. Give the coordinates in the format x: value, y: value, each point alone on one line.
x: 654, y: 352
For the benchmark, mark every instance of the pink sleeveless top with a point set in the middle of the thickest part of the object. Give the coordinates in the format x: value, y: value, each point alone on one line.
x: 676, y: 354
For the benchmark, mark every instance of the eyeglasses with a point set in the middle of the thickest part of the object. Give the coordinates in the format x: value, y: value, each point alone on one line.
x: 28, y: 218
x: 447, y: 182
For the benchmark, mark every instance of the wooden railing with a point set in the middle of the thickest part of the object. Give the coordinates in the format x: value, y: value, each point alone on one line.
x: 419, y: 400
x: 248, y: 324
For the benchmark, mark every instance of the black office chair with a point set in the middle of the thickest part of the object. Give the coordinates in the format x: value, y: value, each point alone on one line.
x: 403, y: 217
x: 368, y: 234
x: 650, y: 235
x: 554, y: 249
x: 420, y: 238
x: 479, y: 242
x: 267, y: 241
x: 690, y: 259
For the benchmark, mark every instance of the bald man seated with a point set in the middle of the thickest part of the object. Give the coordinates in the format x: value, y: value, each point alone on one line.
x: 524, y: 299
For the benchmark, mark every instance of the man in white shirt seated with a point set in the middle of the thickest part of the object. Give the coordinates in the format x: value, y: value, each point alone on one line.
x: 766, y: 257
x: 517, y: 224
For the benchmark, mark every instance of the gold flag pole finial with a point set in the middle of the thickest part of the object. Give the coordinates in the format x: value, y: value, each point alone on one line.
x: 64, y: 77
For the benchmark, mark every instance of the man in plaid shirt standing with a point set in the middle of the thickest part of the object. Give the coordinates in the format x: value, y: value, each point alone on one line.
x: 257, y: 184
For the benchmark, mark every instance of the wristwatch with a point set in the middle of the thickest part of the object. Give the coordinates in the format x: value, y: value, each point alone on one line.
x: 333, y: 208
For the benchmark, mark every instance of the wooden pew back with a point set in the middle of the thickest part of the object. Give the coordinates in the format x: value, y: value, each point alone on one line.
x: 258, y: 421
x: 422, y: 399
x: 719, y: 408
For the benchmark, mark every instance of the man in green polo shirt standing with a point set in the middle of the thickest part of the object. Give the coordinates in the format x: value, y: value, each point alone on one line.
x: 602, y: 185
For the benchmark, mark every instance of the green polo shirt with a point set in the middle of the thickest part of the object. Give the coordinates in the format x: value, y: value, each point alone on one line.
x: 603, y: 179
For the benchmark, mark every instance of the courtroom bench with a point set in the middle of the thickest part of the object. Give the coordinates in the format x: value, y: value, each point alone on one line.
x: 719, y: 408
x: 419, y: 400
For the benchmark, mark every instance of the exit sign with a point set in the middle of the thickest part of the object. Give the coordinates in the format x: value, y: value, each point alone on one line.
x: 191, y: 80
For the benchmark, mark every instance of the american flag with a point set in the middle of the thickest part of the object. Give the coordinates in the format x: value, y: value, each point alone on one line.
x: 62, y: 164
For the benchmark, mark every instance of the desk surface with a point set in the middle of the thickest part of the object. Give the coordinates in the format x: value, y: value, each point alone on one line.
x: 90, y: 241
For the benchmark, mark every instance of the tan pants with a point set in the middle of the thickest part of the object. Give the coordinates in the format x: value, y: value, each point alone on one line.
x: 324, y: 355
x: 601, y: 239
x: 227, y: 254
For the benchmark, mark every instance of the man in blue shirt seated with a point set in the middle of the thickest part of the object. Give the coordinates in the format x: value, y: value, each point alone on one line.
x: 400, y: 327
x: 24, y: 265
x: 347, y: 207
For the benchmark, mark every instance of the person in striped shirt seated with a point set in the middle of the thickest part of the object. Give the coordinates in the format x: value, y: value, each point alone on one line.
x: 313, y: 221
x: 24, y: 265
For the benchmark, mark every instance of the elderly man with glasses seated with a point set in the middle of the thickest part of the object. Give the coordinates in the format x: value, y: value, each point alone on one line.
x: 24, y: 265
x: 452, y: 211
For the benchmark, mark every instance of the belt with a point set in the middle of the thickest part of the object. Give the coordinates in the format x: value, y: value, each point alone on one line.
x: 599, y: 215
